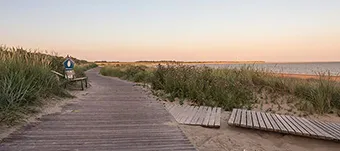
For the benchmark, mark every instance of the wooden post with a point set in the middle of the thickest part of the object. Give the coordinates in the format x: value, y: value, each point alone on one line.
x: 86, y: 82
x: 82, y: 86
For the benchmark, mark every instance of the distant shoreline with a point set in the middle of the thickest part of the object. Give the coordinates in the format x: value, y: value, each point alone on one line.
x: 185, y: 62
x: 306, y: 76
x: 211, y: 62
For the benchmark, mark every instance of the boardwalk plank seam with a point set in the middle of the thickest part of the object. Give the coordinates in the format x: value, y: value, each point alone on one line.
x: 232, y: 117
x: 207, y: 116
x: 212, y: 117
x: 218, y: 118
x: 197, y: 115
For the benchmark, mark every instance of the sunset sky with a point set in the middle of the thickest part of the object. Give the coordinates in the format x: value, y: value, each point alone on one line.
x: 130, y: 30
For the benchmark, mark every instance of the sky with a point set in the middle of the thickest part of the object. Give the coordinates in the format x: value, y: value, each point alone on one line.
x: 186, y: 30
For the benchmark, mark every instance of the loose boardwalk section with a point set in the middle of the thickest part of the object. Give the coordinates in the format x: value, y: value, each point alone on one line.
x: 285, y: 124
x: 195, y: 115
x: 114, y: 115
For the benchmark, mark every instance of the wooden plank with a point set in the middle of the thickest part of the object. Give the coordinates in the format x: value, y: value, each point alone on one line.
x: 170, y: 106
x: 291, y: 124
x: 327, y: 125
x: 273, y: 123
x: 309, y: 131
x: 324, y: 128
x: 232, y: 117
x: 179, y: 112
x: 255, y: 120
x: 238, y: 117
x: 197, y: 115
x: 279, y: 124
x: 329, y: 128
x: 285, y: 124
x: 260, y: 120
x: 57, y: 73
x: 266, y: 121
x: 304, y: 132
x: 185, y: 114
x: 244, y: 118
x: 191, y: 115
x: 207, y: 116
x: 167, y: 105
x: 249, y: 119
x: 335, y: 126
x: 173, y: 109
x: 218, y: 117
x: 212, y: 117
x: 321, y: 133
x: 202, y: 116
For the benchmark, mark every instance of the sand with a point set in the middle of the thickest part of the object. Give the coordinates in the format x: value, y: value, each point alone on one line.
x: 228, y: 138
x: 240, y: 139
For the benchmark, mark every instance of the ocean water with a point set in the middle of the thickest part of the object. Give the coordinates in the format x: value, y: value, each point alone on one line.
x: 312, y: 68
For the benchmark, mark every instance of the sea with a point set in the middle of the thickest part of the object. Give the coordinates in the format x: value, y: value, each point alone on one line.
x: 310, y: 68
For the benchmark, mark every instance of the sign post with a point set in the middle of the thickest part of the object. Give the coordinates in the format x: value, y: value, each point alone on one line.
x: 69, y: 65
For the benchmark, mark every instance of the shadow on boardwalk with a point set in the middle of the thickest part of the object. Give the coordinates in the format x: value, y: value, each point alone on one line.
x: 114, y: 115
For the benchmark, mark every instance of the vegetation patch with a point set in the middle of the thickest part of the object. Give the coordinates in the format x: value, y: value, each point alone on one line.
x: 26, y: 79
x: 245, y: 87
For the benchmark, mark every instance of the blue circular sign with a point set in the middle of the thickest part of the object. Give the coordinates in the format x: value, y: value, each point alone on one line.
x: 68, y: 64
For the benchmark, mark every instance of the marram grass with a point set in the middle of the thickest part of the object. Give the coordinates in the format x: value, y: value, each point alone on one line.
x: 231, y: 88
x: 25, y: 80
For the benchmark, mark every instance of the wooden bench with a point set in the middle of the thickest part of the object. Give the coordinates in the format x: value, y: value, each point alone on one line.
x: 82, y: 81
x: 72, y: 78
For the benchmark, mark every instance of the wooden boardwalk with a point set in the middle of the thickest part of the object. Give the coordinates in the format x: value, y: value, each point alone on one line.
x: 285, y: 124
x: 195, y: 115
x: 114, y: 115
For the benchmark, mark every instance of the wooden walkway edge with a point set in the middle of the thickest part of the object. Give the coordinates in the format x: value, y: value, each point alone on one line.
x: 285, y: 124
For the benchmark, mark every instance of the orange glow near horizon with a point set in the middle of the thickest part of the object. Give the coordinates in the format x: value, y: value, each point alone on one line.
x: 192, y: 30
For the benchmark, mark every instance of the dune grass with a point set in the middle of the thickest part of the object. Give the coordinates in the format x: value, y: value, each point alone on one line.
x: 128, y: 72
x: 80, y: 69
x: 232, y: 88
x: 25, y: 80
